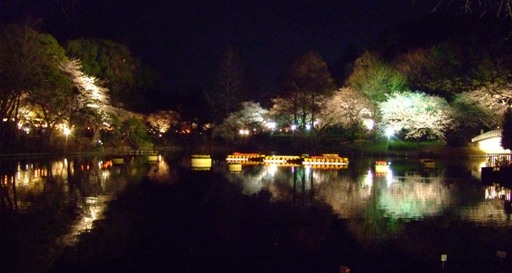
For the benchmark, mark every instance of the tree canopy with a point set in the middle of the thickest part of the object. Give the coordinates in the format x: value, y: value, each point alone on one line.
x: 231, y: 85
x: 416, y: 115
x: 30, y: 67
x: 110, y: 62
x: 375, y: 78
x: 506, y: 135
x: 306, y: 85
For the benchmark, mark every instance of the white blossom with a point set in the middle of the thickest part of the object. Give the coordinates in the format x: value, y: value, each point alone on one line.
x: 417, y: 115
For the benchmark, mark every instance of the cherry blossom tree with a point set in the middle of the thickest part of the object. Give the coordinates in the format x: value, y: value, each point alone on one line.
x: 416, y: 115
x: 250, y: 118
x: 347, y: 108
x: 91, y: 105
x: 486, y: 103
x: 110, y: 61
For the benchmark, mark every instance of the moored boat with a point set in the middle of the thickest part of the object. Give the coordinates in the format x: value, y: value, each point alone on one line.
x: 325, y: 159
x: 381, y: 166
x: 244, y: 157
x: 200, y: 162
x: 282, y: 159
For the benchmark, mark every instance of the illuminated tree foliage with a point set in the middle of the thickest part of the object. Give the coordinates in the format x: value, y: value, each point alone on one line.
x: 29, y: 65
x: 160, y: 122
x: 470, y: 118
x: 347, y: 108
x: 488, y: 103
x: 283, y: 111
x: 251, y: 117
x: 91, y: 105
x: 128, y: 129
x: 416, y: 115
x: 447, y: 69
x: 436, y: 71
x: 506, y: 133
x: 374, y: 78
x: 52, y: 100
x: 306, y: 85
x: 109, y: 61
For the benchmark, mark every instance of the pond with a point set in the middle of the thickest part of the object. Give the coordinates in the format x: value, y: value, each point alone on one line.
x: 160, y: 214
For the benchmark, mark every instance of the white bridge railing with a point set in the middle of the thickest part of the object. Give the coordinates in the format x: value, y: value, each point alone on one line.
x: 487, y: 135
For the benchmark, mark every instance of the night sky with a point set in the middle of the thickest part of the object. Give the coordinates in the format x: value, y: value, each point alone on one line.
x: 185, y: 40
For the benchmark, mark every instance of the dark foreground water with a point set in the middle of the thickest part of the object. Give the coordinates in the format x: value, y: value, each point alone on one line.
x: 91, y: 215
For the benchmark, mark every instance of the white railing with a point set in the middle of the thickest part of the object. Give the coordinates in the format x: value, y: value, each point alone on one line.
x: 486, y: 135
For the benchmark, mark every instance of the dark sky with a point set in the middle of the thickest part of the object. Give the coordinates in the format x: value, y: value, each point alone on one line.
x: 185, y: 39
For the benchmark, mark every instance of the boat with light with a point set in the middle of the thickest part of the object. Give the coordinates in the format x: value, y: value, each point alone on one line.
x: 325, y: 159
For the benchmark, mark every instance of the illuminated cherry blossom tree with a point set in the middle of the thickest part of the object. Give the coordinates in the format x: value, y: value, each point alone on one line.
x: 347, y: 108
x: 416, y: 115
x: 486, y: 102
x: 250, y: 118
x: 92, y: 103
x: 110, y: 61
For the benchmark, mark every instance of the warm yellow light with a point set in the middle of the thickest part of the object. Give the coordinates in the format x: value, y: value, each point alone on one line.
x: 492, y: 146
x: 272, y: 169
x: 66, y: 131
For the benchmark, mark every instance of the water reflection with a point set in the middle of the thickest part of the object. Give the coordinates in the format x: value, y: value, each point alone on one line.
x: 409, y: 196
x: 80, y: 187
x: 379, y: 200
x: 375, y: 203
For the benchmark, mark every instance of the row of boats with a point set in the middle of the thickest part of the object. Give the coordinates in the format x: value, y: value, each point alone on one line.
x: 307, y: 160
x: 323, y: 161
x: 237, y: 159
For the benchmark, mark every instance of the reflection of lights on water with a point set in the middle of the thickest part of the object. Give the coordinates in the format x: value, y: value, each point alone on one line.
x: 160, y: 172
x: 93, y: 210
x: 271, y: 169
x: 497, y: 192
x: 307, y: 170
x: 368, y: 180
x: 389, y: 178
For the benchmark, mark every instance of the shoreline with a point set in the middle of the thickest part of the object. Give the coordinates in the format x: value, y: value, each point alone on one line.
x: 437, y: 152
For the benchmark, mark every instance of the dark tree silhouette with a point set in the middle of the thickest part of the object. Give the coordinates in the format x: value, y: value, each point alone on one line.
x: 231, y: 85
x: 506, y: 133
x: 307, y: 83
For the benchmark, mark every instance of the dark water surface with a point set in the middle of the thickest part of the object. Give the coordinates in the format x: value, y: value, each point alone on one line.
x: 91, y: 215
